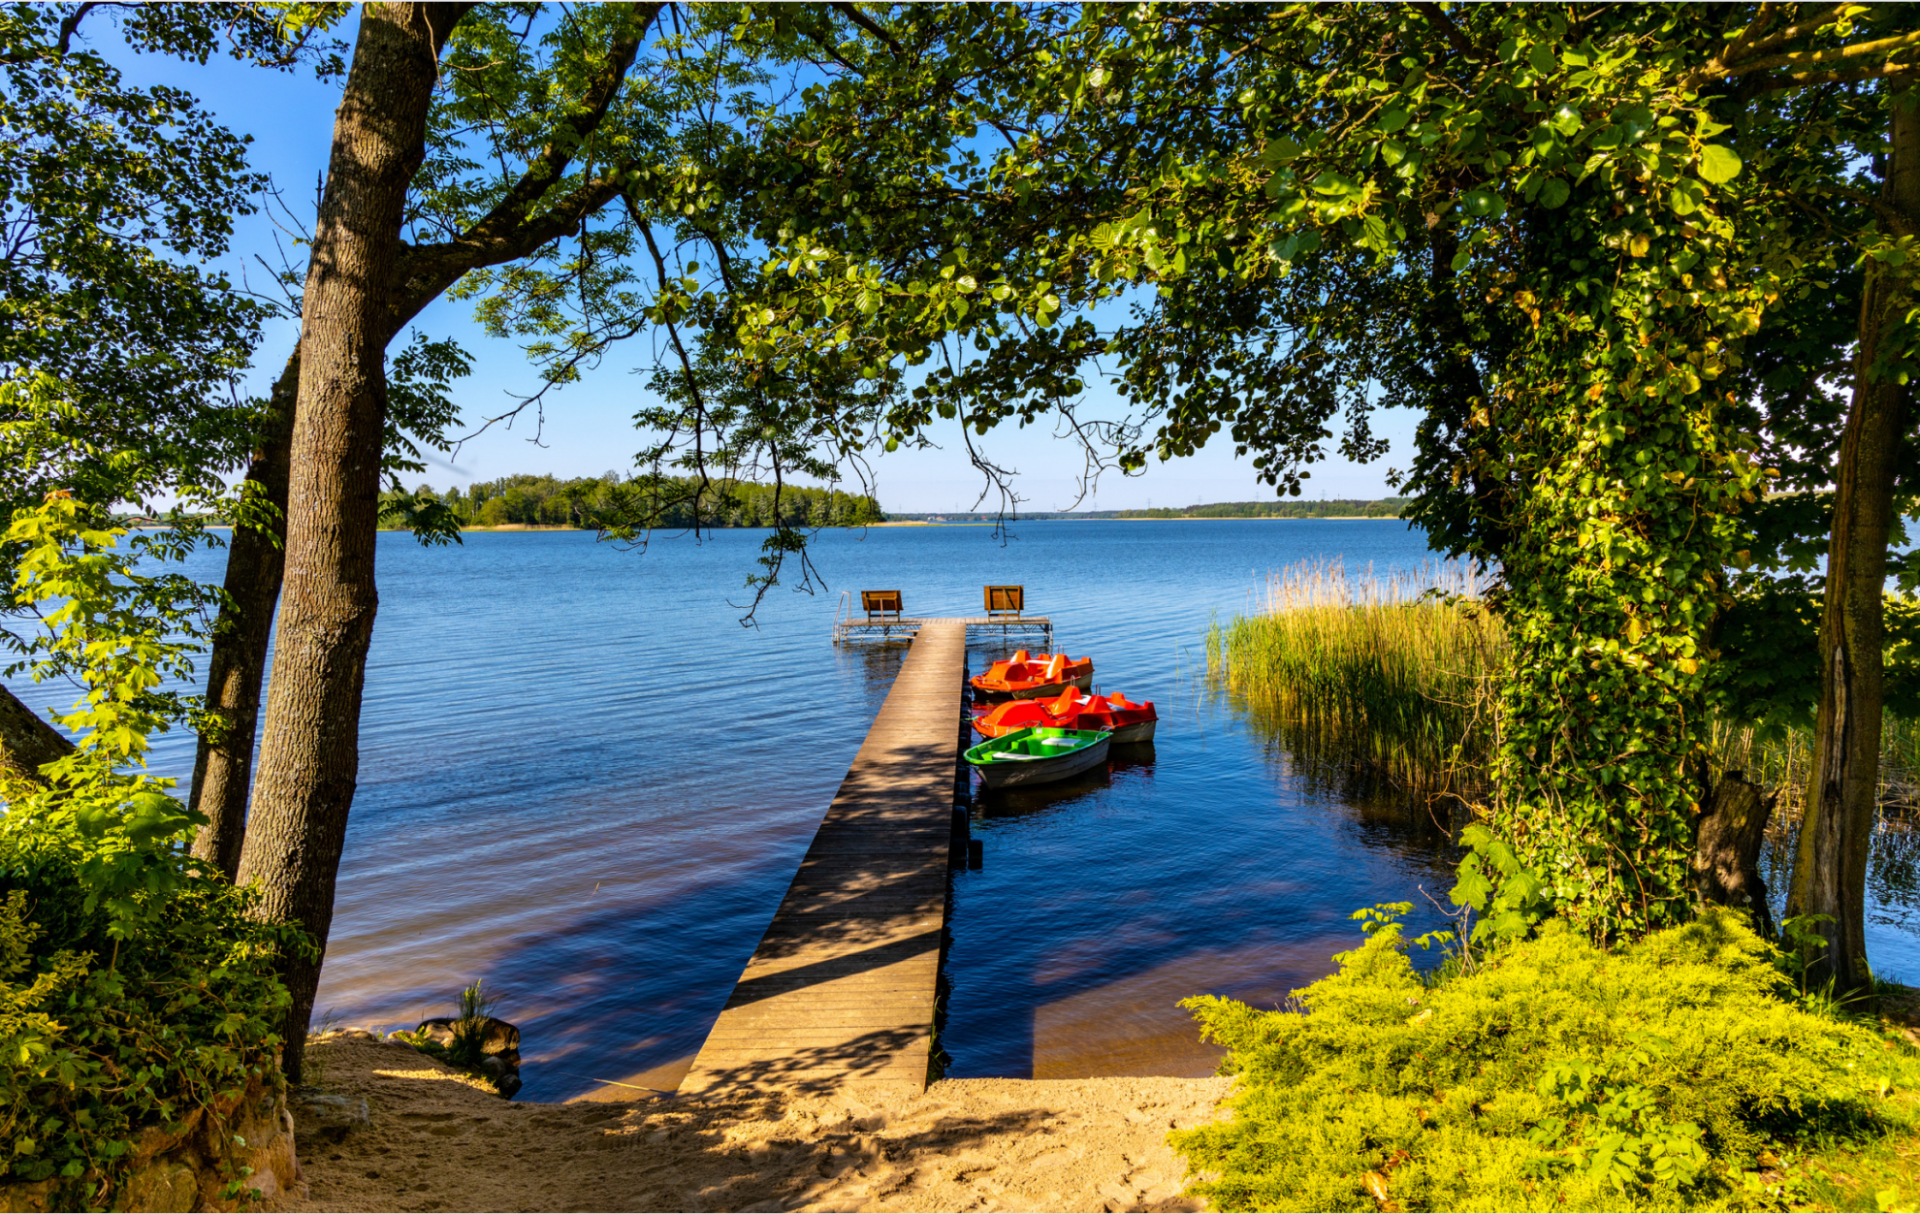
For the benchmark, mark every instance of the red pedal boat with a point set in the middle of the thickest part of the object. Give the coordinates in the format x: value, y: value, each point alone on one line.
x: 1127, y: 721
x: 1026, y: 677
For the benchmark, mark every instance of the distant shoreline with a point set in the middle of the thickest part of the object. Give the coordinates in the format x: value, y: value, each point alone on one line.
x: 920, y: 522
x: 924, y: 522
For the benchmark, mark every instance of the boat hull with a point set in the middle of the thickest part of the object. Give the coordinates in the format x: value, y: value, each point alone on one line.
x: 1043, y: 771
x: 1139, y: 731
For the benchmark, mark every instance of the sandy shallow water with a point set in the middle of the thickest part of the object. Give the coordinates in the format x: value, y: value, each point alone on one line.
x: 440, y: 1142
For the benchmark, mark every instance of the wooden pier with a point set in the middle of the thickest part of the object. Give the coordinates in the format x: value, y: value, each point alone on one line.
x: 843, y: 985
x: 1035, y: 628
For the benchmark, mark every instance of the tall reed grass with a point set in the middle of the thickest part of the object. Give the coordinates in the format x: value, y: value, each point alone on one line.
x: 1395, y: 673
x: 1398, y: 676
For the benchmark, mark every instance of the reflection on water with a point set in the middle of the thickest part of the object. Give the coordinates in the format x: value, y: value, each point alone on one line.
x: 1203, y: 864
x: 1893, y: 890
x: 583, y: 782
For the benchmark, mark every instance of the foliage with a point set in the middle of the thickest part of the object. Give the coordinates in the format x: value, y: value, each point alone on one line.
x: 117, y: 632
x: 135, y: 989
x: 1531, y: 217
x: 1553, y: 1074
x: 420, y: 410
x: 599, y: 502
x: 113, y: 197
x: 104, y: 1037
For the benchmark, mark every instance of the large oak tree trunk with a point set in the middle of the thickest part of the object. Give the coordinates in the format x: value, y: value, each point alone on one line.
x: 223, y: 765
x: 309, y: 755
x: 1830, y: 867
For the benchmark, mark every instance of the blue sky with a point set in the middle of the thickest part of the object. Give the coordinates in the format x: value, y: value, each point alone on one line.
x: 588, y: 427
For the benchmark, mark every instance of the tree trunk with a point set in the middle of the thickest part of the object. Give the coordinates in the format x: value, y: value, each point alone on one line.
x: 1726, y: 854
x: 1830, y: 867
x: 256, y: 559
x: 310, y: 753
x: 27, y: 743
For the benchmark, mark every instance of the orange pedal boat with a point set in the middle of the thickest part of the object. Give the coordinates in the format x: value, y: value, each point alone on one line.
x: 1027, y: 677
x: 1127, y: 721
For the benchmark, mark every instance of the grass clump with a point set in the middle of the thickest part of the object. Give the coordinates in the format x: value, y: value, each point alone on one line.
x: 1674, y: 1073
x: 468, y: 1047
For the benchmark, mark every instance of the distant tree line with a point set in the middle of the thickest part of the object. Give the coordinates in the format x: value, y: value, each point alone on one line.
x: 666, y: 502
x: 1388, y: 507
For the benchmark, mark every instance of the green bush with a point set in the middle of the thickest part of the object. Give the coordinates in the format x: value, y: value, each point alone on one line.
x: 103, y: 1037
x: 1554, y: 1075
x: 135, y: 990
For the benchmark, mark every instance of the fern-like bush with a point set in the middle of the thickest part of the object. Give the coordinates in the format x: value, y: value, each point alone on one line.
x: 1552, y: 1075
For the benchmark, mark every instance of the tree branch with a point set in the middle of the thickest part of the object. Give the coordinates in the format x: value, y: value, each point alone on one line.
x: 1799, y: 29
x: 1840, y: 54
x: 559, y: 152
x: 1794, y: 80
x: 427, y: 270
x: 852, y: 13
x: 507, y: 232
x: 70, y: 26
x: 1438, y: 19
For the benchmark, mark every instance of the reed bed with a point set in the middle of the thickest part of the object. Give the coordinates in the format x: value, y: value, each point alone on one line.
x: 1397, y: 676
x: 1394, y: 673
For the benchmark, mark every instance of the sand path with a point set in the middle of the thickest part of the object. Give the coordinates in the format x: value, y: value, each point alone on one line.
x: 440, y: 1142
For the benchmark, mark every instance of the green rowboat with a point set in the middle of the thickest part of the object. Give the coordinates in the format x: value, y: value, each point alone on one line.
x: 1038, y: 755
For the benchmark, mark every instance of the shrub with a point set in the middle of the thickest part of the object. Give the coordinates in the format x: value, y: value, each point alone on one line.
x: 1554, y: 1075
x: 102, y: 1036
x: 135, y: 991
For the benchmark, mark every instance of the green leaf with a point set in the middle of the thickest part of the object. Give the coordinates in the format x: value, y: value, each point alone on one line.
x: 1541, y: 58
x: 1554, y: 193
x: 1281, y: 150
x: 1719, y: 163
x: 1483, y: 203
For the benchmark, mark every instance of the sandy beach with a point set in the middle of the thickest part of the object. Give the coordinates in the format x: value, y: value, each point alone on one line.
x: 439, y: 1141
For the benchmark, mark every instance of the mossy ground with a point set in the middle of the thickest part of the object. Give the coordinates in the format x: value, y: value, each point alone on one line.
x: 1878, y: 1171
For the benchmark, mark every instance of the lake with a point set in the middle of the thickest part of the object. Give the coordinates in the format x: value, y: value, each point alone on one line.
x: 585, y: 783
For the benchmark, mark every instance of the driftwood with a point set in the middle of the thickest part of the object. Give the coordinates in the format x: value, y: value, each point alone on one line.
x: 26, y: 741
x: 1726, y: 853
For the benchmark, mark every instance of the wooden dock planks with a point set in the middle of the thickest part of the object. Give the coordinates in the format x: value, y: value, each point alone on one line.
x: 842, y: 986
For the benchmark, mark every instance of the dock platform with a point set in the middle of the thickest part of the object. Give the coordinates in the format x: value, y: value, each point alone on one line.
x: 843, y: 985
x: 1037, y: 628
